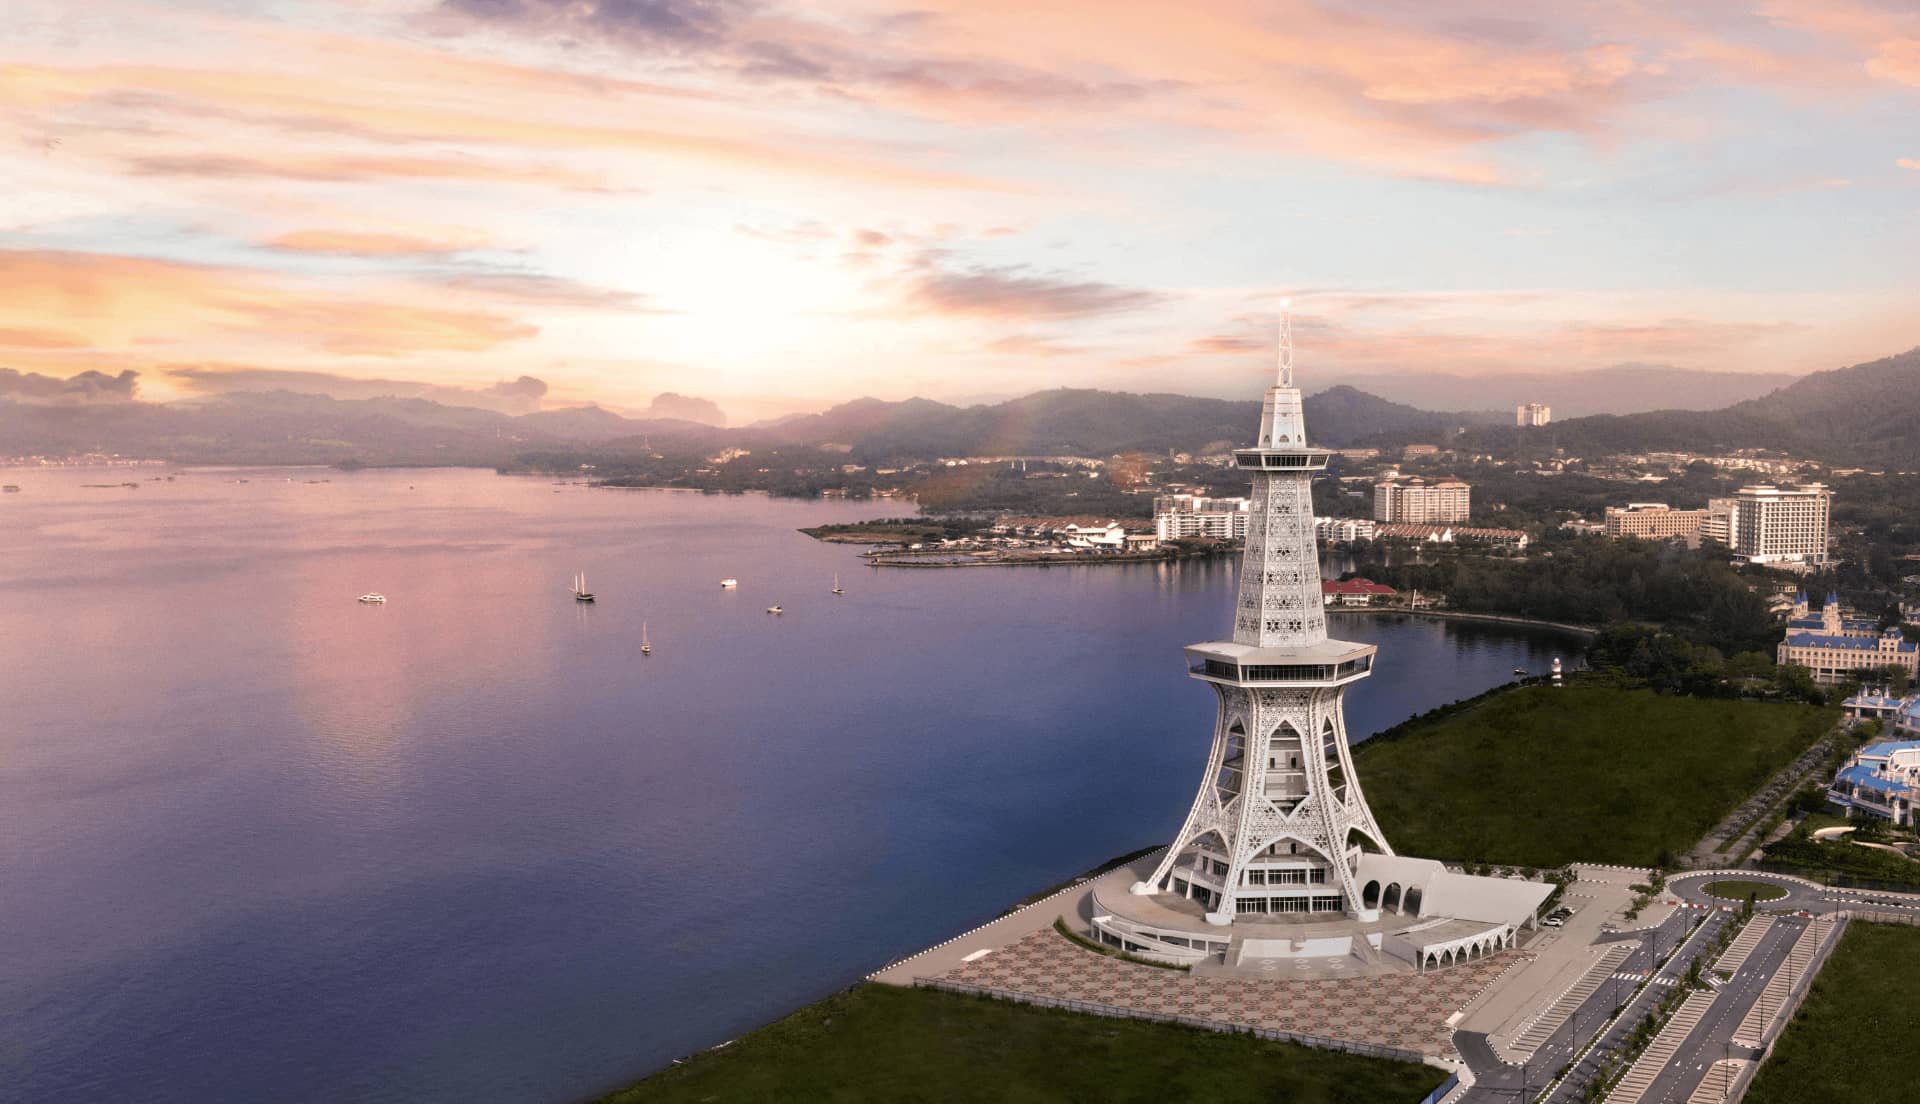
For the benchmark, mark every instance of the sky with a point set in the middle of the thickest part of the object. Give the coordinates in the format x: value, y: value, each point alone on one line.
x: 780, y: 205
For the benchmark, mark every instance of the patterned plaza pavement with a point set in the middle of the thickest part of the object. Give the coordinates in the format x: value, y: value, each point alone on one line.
x: 1397, y: 1010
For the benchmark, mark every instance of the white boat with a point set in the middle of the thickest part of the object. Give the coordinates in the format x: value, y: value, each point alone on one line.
x: 729, y: 584
x: 775, y: 609
x: 580, y: 591
x: 374, y: 599
x: 646, y: 646
x: 836, y: 583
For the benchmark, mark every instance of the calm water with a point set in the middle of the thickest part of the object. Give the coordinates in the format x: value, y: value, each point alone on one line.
x: 259, y: 841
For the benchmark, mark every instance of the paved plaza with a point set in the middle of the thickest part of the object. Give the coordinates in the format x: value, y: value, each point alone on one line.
x: 1405, y: 1010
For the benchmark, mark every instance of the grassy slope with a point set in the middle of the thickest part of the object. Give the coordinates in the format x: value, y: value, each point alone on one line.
x: 1855, y: 1038
x: 1543, y: 776
x: 879, y: 1043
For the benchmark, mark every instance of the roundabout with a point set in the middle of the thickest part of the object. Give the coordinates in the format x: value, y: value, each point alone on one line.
x: 1743, y: 889
x: 1775, y: 891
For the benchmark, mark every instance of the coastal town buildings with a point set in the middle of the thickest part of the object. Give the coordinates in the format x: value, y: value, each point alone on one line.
x: 1779, y: 524
x: 1450, y: 534
x: 1421, y: 502
x: 1280, y: 857
x: 1186, y: 516
x: 1532, y: 414
x: 1654, y: 521
x: 1835, y: 648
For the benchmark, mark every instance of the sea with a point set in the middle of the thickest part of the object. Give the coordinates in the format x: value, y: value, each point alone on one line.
x: 262, y: 841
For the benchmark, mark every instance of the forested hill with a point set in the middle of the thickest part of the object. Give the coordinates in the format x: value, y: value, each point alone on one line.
x: 1096, y: 423
x: 1863, y: 416
x: 283, y: 427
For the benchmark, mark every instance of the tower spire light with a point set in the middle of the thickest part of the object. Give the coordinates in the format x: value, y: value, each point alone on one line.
x: 1286, y: 344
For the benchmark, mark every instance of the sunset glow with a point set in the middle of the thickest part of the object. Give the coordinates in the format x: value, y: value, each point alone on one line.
x: 780, y: 206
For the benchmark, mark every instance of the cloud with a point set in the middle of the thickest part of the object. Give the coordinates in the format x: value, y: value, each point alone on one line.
x: 365, y: 96
x: 25, y: 337
x: 1898, y: 60
x: 102, y: 301
x: 645, y: 24
x: 1016, y: 291
x: 1032, y: 345
x: 84, y: 387
x: 519, y: 396
x: 1414, y: 90
x: 356, y: 168
x: 1909, y: 163
x: 1229, y: 344
x: 351, y: 243
x: 537, y: 289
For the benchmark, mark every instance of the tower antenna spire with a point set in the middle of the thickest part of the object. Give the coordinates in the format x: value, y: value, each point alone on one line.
x: 1285, y: 352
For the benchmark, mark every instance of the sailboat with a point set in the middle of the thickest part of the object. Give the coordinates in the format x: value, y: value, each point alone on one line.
x: 646, y: 646
x: 580, y: 591
x: 836, y: 583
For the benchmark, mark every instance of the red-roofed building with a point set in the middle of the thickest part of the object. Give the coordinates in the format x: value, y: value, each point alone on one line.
x: 1354, y: 592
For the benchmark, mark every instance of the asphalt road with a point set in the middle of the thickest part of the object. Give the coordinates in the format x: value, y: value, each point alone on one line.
x: 1496, y: 1080
x: 1712, y: 1038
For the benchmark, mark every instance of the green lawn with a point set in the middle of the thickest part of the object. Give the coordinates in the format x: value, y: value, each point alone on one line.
x: 1823, y: 859
x: 880, y: 1043
x: 1544, y: 775
x: 1855, y: 1037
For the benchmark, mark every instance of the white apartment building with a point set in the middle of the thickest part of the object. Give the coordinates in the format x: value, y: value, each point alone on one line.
x: 1185, y: 516
x: 1342, y: 530
x: 1417, y: 501
x: 1532, y: 414
x: 1770, y: 524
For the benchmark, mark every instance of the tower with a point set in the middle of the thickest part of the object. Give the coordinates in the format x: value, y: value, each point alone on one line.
x: 1280, y: 822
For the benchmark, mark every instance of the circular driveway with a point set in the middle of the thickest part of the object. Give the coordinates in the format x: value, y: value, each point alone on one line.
x: 1802, y: 896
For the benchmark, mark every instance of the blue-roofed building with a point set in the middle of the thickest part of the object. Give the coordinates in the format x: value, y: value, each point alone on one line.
x: 1836, y: 648
x: 1877, y: 705
x: 1880, y: 780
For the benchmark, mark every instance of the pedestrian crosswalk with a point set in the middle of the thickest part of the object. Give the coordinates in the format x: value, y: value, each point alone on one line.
x: 1636, y: 977
x: 1743, y: 944
x: 1636, y: 1081
x: 1551, y: 1019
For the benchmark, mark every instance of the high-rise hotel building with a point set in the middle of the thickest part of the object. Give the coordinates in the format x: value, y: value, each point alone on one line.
x: 1417, y: 501
x: 1772, y: 524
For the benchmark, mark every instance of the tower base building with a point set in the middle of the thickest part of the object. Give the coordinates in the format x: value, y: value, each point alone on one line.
x: 1279, y: 856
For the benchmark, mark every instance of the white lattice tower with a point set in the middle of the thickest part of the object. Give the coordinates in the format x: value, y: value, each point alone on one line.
x: 1279, y: 798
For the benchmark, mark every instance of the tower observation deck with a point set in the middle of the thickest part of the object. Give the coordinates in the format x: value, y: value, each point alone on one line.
x: 1279, y: 823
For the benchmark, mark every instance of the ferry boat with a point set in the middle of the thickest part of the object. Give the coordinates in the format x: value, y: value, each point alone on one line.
x: 374, y: 599
x: 580, y: 591
x: 646, y: 646
x: 729, y: 584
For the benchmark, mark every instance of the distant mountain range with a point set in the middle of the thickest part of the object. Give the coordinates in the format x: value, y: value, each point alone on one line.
x: 1627, y: 389
x: 1861, y: 415
x: 1865, y: 416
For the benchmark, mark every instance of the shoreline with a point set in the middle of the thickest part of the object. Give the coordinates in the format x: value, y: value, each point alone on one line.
x: 873, y: 559
x: 1487, y: 618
